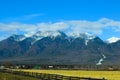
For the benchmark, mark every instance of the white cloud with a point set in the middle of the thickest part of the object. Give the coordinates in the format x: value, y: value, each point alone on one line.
x: 23, y: 18
x: 53, y: 26
x: 81, y: 26
x: 14, y: 27
x: 86, y: 26
x: 110, y: 23
x: 27, y: 17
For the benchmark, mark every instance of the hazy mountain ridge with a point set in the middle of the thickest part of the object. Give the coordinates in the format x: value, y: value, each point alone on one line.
x: 58, y: 48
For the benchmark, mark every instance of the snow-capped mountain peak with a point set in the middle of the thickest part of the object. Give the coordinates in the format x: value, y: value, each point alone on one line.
x: 39, y: 35
x: 53, y: 34
x: 113, y: 39
x: 82, y: 35
x: 18, y: 37
x: 29, y: 34
x: 48, y: 33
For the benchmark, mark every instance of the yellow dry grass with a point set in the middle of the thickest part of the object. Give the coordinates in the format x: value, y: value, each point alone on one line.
x: 109, y: 75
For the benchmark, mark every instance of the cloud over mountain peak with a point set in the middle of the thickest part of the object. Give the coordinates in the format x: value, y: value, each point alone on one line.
x: 81, y: 26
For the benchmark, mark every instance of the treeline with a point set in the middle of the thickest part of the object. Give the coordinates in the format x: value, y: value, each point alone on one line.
x: 48, y: 66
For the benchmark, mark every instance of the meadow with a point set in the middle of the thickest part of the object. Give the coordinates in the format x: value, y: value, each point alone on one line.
x: 8, y: 76
x: 109, y: 75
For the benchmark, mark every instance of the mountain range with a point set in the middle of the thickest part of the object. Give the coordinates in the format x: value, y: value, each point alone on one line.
x: 55, y: 47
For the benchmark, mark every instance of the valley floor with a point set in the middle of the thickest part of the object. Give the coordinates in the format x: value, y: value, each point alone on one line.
x: 109, y: 75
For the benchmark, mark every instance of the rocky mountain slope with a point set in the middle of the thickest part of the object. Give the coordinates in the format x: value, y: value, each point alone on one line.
x: 55, y: 47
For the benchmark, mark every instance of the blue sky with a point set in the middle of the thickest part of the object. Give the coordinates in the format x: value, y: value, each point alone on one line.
x: 100, y: 17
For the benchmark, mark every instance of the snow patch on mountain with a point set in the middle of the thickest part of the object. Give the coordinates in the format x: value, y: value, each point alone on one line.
x: 35, y: 39
x: 81, y: 35
x: 29, y: 34
x: 18, y: 37
x: 113, y: 39
x: 39, y: 35
x: 101, y: 60
x: 85, y: 36
x: 48, y: 33
x: 86, y: 42
x: 104, y: 57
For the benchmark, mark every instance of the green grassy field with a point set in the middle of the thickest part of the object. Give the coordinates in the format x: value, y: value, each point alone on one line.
x: 109, y: 75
